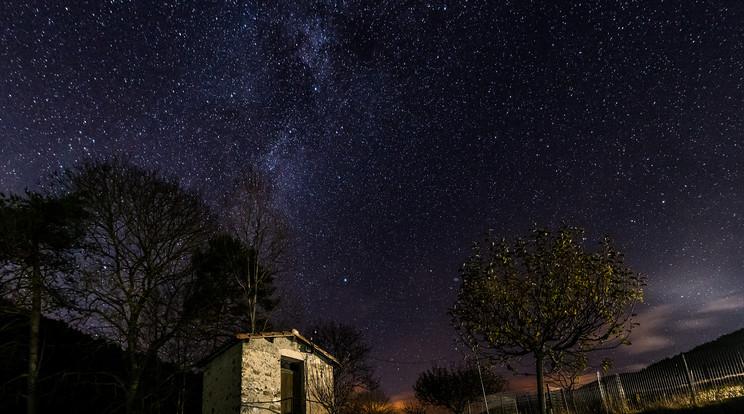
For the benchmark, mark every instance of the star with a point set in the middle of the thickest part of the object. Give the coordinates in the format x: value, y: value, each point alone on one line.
x: 396, y: 136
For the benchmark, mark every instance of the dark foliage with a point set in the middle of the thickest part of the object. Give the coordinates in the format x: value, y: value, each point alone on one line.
x: 453, y: 388
x: 546, y: 296
x: 38, y: 235
x: 79, y: 372
x: 224, y: 270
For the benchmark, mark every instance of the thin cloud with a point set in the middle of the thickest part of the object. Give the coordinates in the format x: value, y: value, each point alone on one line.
x: 694, y: 324
x: 724, y: 304
x: 647, y: 336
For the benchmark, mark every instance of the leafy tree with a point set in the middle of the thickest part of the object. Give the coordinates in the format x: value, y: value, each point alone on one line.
x: 141, y: 232
x: 456, y: 387
x: 545, y: 296
x: 353, y: 373
x: 37, y: 236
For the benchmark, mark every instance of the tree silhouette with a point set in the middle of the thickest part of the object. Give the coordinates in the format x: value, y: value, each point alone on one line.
x: 545, y: 296
x: 224, y: 274
x: 250, y: 215
x: 141, y: 232
x: 453, y: 388
x: 37, y: 236
x: 352, y: 375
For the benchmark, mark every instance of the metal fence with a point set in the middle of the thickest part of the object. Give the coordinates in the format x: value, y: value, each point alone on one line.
x: 695, y: 378
x: 502, y: 403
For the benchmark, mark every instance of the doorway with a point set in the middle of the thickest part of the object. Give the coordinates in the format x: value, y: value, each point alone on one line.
x: 293, y: 393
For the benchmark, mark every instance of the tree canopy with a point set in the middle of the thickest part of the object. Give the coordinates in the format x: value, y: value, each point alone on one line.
x: 141, y: 232
x: 545, y: 296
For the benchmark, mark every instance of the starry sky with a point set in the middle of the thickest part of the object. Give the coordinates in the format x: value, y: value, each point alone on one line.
x: 400, y: 131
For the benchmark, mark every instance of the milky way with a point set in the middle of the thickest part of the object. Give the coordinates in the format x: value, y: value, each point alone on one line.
x: 398, y: 132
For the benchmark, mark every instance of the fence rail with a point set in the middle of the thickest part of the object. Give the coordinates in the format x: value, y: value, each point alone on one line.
x: 689, y: 379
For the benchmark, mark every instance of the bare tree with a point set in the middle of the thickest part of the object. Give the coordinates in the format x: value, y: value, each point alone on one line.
x: 352, y: 375
x: 567, y: 372
x: 142, y: 230
x: 322, y: 389
x: 251, y: 215
x: 220, y: 304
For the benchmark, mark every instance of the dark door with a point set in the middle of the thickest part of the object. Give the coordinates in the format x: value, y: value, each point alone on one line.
x: 293, y: 397
x: 287, y: 390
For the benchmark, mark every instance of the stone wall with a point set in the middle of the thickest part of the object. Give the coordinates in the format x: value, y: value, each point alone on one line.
x: 221, y: 386
x: 246, y: 378
x: 319, y: 380
x: 261, y: 381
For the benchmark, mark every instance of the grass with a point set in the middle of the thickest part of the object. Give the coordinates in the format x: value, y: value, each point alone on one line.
x: 731, y: 405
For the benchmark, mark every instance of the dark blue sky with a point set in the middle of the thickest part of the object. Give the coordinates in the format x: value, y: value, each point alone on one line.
x: 398, y: 132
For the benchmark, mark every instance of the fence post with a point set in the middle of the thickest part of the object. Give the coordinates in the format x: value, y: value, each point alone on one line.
x: 690, y: 381
x: 565, y: 403
x: 737, y: 366
x: 728, y: 370
x: 621, y: 393
x: 715, y: 363
x: 483, y: 387
x: 602, y: 393
x: 741, y: 360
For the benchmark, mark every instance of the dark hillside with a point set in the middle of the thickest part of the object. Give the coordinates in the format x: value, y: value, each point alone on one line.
x: 724, y: 344
x: 78, y: 373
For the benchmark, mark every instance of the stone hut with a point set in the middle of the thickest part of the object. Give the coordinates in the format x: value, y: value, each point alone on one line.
x: 270, y: 372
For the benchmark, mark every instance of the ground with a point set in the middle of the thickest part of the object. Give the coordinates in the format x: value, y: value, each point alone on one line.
x: 732, y: 405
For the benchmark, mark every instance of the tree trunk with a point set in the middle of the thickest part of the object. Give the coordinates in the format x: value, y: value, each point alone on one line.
x: 132, y: 389
x: 540, y: 383
x: 181, y: 409
x: 33, y: 341
x: 254, y: 303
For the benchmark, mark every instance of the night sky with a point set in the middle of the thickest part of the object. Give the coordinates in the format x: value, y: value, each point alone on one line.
x: 399, y: 132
